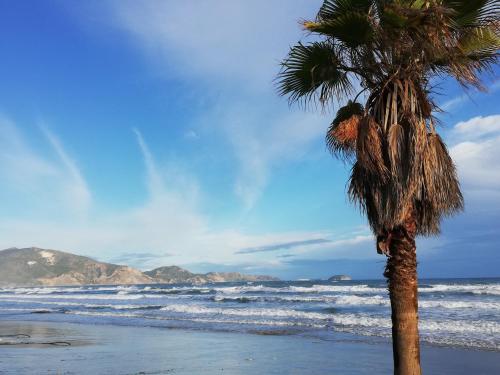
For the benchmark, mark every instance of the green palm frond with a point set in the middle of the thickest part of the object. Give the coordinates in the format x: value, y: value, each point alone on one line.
x: 471, y: 13
x: 390, y: 17
x: 351, y: 28
x: 313, y: 70
x: 332, y: 9
x: 480, y: 40
x: 476, y: 50
x: 347, y: 20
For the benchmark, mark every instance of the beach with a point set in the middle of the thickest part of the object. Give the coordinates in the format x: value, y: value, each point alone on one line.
x: 111, y: 349
x: 281, y: 327
x: 456, y: 313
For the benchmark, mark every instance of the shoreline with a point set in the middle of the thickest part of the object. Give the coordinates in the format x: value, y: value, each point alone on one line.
x: 120, y: 349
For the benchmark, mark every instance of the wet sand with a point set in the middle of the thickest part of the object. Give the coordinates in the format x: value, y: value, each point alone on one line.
x: 42, y: 348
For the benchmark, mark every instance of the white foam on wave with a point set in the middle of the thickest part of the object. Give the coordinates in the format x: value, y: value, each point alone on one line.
x: 104, y: 314
x: 487, y: 328
x: 352, y: 300
x: 71, y: 289
x: 272, y: 298
x: 363, y: 320
x: 174, y: 289
x: 491, y: 289
x: 480, y: 334
x: 73, y: 296
x: 445, y: 304
x: 457, y: 319
x: 41, y: 290
x: 477, y: 328
x: 356, y: 300
x: 85, y: 305
x: 198, y: 309
x: 198, y: 319
x: 338, y: 288
x: 301, y: 289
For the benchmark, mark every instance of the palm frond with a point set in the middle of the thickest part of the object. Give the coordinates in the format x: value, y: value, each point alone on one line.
x: 472, y: 13
x: 332, y: 9
x: 480, y: 40
x: 369, y: 144
x: 352, y: 28
x: 313, y: 71
x: 396, y: 150
x: 441, y: 179
x: 391, y: 18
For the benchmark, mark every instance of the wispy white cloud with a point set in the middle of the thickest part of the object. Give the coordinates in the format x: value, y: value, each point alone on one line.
x: 75, y: 188
x: 155, y: 183
x: 42, y: 180
x: 18, y: 162
x: 283, y: 246
x: 262, y: 141
x: 226, y: 47
x: 224, y: 41
x: 168, y: 224
x: 455, y: 101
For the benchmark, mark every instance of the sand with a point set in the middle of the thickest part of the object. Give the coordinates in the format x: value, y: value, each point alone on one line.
x: 106, y: 349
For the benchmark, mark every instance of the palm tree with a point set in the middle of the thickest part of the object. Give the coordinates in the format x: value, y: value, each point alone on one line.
x: 402, y: 176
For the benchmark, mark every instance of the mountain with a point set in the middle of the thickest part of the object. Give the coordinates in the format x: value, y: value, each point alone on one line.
x: 174, y: 274
x: 35, y: 266
x: 170, y: 274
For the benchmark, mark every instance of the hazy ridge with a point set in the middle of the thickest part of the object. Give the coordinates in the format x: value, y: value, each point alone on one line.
x: 35, y: 266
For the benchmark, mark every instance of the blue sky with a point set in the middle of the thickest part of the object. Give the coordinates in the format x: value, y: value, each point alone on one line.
x: 150, y: 133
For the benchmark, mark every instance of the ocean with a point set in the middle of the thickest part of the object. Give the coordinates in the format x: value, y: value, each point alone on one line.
x: 453, y: 312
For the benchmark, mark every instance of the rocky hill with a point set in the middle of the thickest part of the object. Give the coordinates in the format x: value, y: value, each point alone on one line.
x: 174, y: 274
x: 35, y: 266
x: 340, y: 278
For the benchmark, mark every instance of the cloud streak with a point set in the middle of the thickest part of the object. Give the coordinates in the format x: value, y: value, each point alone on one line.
x: 222, y: 43
x: 259, y: 128
x: 169, y: 223
x: 76, y: 188
x: 154, y: 180
x: 283, y: 246
x: 33, y: 180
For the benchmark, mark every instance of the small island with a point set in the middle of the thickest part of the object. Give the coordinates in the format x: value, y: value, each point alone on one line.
x: 340, y: 278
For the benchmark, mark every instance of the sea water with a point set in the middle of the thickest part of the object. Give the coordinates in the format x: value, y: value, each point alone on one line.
x: 458, y: 312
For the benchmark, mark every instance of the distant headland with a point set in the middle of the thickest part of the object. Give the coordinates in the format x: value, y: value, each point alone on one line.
x: 35, y: 266
x: 340, y: 278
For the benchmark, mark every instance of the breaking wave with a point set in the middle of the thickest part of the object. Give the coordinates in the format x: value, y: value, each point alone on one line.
x: 464, y: 313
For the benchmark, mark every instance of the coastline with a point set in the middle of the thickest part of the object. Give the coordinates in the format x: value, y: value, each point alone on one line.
x: 119, y: 349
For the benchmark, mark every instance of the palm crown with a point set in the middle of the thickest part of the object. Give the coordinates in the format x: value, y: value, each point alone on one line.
x: 393, y: 49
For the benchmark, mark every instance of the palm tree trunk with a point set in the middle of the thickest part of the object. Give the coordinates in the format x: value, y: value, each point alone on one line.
x: 401, y: 274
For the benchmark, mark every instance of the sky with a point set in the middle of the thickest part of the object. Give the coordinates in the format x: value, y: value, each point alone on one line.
x: 151, y: 133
